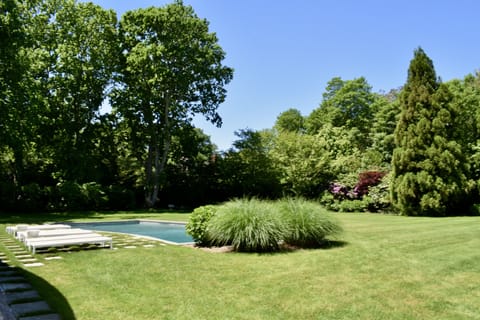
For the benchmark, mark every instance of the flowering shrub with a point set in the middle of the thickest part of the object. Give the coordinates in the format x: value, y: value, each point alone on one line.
x: 366, y: 180
x: 369, y: 193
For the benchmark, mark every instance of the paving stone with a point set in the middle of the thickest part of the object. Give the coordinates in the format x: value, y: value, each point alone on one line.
x: 5, y: 267
x: 8, y: 287
x: 10, y: 279
x: 53, y: 258
x: 21, y: 296
x: 50, y: 316
x: 35, y: 264
x: 28, y: 308
x: 130, y: 247
x: 24, y: 256
x: 148, y: 245
x: 18, y: 253
x: 13, y: 247
x: 28, y: 260
x: 8, y: 272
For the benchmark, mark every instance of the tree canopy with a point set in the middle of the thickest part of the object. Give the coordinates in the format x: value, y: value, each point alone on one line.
x: 171, y: 70
x: 413, y: 150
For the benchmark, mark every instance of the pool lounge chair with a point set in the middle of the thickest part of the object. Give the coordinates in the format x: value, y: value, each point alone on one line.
x: 23, y: 235
x: 25, y: 227
x: 60, y: 241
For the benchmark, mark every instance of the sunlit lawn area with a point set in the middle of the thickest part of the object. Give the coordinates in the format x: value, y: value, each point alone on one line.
x: 385, y: 267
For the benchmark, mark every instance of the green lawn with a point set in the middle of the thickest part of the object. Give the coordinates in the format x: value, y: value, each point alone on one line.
x: 385, y: 267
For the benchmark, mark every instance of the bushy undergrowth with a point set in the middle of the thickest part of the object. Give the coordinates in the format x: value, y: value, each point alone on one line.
x: 252, y: 225
x: 308, y: 224
x: 249, y: 225
x: 198, y: 223
x: 371, y: 193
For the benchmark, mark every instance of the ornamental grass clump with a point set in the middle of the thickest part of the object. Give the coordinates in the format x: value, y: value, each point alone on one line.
x: 249, y: 225
x: 307, y: 223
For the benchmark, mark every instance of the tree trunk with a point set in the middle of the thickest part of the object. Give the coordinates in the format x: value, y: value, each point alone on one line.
x: 155, y: 165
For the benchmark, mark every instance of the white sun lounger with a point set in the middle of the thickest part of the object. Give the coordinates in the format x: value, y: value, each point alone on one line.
x: 59, y: 241
x: 28, y: 241
x: 25, y: 227
x: 30, y: 234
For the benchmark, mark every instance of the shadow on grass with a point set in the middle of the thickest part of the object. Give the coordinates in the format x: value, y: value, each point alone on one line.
x: 332, y: 244
x: 55, y: 299
x: 326, y: 245
x: 286, y: 248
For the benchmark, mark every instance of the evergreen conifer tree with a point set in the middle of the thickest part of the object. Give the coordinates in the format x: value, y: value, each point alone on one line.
x: 429, y: 170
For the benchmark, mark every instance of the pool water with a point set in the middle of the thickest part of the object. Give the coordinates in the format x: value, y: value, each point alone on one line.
x: 170, y: 232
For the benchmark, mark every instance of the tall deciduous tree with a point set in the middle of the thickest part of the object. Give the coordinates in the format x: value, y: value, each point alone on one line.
x: 79, y: 51
x: 348, y: 104
x: 17, y: 93
x: 430, y: 173
x: 290, y: 120
x: 248, y: 168
x: 172, y: 70
x: 383, y: 126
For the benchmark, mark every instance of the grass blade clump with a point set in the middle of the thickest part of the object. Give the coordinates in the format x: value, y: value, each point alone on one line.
x: 307, y: 223
x: 249, y: 225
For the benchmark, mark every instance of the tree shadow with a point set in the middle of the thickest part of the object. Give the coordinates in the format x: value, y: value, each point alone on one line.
x: 286, y: 248
x: 325, y: 245
x: 332, y: 244
x: 55, y: 299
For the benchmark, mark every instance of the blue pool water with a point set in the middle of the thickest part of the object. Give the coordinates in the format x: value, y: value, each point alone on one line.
x: 171, y: 232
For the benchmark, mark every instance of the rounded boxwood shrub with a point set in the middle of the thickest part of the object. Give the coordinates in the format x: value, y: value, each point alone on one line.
x: 198, y: 222
x: 307, y: 223
x: 249, y: 225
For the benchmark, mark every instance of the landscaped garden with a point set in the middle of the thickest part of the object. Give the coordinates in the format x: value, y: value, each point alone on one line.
x: 409, y: 151
x: 381, y: 267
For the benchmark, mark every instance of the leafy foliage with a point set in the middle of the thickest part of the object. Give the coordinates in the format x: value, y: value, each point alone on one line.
x: 161, y: 67
x: 249, y: 169
x: 198, y: 224
x: 171, y: 70
x: 290, y: 121
x: 430, y: 172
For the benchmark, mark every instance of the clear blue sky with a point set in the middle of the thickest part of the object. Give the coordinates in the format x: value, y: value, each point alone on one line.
x: 285, y: 51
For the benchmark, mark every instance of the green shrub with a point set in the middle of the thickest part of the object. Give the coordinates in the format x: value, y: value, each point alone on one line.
x: 249, y: 225
x: 353, y: 205
x: 120, y: 198
x: 308, y: 224
x: 94, y: 195
x: 329, y: 201
x: 71, y: 196
x: 198, y: 223
x: 31, y: 198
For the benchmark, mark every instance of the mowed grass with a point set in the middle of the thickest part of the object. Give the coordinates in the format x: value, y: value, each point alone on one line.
x: 384, y: 267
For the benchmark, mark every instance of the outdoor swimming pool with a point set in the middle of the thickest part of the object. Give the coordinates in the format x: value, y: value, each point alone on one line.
x: 166, y: 231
